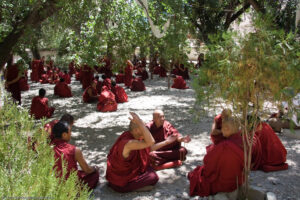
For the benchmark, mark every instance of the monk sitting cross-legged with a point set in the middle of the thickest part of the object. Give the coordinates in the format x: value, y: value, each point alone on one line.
x: 179, y: 82
x: 119, y: 93
x: 128, y: 166
x: 39, y: 106
x: 90, y: 93
x: 107, y: 101
x: 172, y: 154
x: 71, y: 155
x: 137, y: 85
x: 62, y: 89
x: 222, y: 169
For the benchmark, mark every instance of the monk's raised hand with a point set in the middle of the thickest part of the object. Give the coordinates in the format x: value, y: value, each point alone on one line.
x: 186, y: 139
x: 135, y: 118
x: 170, y: 139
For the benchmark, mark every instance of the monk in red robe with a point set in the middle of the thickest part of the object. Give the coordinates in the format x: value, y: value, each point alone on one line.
x: 171, y: 155
x: 23, y: 83
x: 106, y: 82
x: 137, y: 85
x: 12, y: 77
x: 107, y: 101
x: 90, y: 93
x: 71, y: 155
x: 142, y: 72
x: 268, y: 153
x: 87, y: 76
x: 39, y: 106
x: 119, y: 93
x: 62, y: 89
x: 223, y: 164
x: 44, y: 79
x: 120, y: 78
x: 128, y: 166
x: 66, y: 77
x: 54, y: 78
x: 49, y: 126
x: 128, y: 74
x: 179, y: 82
x: 72, y: 68
x: 34, y: 70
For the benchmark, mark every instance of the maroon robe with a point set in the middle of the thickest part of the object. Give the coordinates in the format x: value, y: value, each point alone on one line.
x: 71, y: 68
x: 120, y: 94
x: 14, y: 88
x: 87, y: 76
x: 107, y: 83
x: 179, y: 83
x: 67, y: 78
x: 222, y: 168
x: 168, y: 153
x: 162, y: 72
x: 128, y: 75
x: 99, y: 86
x: 62, y: 89
x: 131, y: 173
x: 107, y: 101
x: 120, y: 78
x: 34, y: 71
x: 138, y: 85
x: 23, y: 84
x: 268, y: 153
x: 44, y: 79
x: 87, y: 98
x: 63, y: 149
x: 39, y: 108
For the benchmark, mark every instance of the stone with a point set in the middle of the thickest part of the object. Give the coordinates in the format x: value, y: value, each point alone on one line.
x: 270, y: 196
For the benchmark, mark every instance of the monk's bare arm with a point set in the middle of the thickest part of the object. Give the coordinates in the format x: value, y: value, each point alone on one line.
x: 214, y: 130
x: 169, y: 140
x: 80, y: 159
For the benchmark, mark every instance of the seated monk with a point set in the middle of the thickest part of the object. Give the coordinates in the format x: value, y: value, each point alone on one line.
x: 62, y: 89
x: 71, y: 155
x: 44, y: 79
x: 128, y: 166
x: 137, y: 85
x: 54, y: 78
x: 106, y: 82
x: 23, y: 84
x: 179, y: 82
x: 141, y: 71
x: 120, y: 78
x: 49, y: 126
x: 268, y: 153
x: 107, y: 101
x: 171, y: 155
x: 119, y: 93
x: 90, y: 93
x: 39, y: 106
x: 280, y: 120
x: 216, y: 132
x: 66, y: 77
x: 162, y: 72
x: 223, y: 164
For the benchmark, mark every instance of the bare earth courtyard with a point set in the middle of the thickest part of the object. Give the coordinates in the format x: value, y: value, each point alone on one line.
x: 95, y: 132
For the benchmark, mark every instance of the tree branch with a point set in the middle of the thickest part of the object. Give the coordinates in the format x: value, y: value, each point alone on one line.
x: 236, y: 15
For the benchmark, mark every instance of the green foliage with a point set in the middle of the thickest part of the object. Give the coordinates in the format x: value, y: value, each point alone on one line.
x: 26, y: 173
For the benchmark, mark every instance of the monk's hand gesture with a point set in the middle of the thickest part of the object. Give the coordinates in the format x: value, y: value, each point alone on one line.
x: 135, y: 118
x: 170, y: 139
x: 185, y: 139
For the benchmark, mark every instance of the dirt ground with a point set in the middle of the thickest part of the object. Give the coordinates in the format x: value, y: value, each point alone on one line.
x: 95, y: 132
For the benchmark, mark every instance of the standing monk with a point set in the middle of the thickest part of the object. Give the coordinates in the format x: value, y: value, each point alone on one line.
x: 223, y: 164
x: 71, y: 155
x: 39, y: 106
x: 128, y: 166
x: 128, y: 74
x: 12, y: 77
x: 172, y: 154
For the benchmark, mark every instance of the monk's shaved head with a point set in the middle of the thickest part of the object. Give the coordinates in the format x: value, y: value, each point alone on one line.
x: 158, y: 117
x: 229, y: 126
x: 132, y: 126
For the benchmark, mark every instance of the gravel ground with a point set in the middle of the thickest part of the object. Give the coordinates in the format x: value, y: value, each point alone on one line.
x: 95, y: 132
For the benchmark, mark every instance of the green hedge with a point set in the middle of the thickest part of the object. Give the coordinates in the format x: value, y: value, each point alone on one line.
x: 28, y: 174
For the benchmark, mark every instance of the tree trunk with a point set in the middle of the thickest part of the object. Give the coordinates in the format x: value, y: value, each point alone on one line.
x: 34, y: 18
x: 35, y: 51
x: 256, y: 6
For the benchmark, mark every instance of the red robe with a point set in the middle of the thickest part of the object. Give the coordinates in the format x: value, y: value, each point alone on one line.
x: 67, y: 78
x: 138, y: 85
x: 107, y: 83
x: 34, y: 73
x: 39, y: 108
x: 168, y: 153
x: 131, y: 173
x: 86, y: 97
x: 128, y: 75
x: 120, y: 78
x: 268, y: 153
x: 107, y: 102
x: 179, y: 83
x: 67, y: 151
x: 120, y: 94
x: 222, y: 167
x: 44, y: 79
x: 99, y: 86
x: 162, y: 72
x: 14, y: 88
x: 49, y: 127
x: 23, y: 84
x: 87, y: 76
x: 71, y: 68
x: 62, y: 89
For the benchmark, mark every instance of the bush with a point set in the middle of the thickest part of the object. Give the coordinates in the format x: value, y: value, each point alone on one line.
x: 26, y: 173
